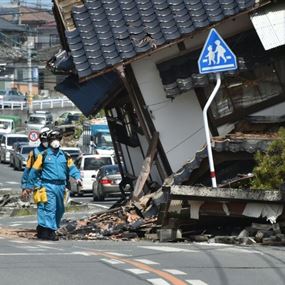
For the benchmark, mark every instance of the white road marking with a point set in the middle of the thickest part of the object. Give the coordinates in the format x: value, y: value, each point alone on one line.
x: 15, y: 225
x: 112, y: 261
x: 35, y: 253
x: 12, y: 182
x: 168, y: 249
x: 175, y: 271
x: 49, y: 247
x: 26, y: 247
x: 117, y: 253
x: 102, y: 206
x: 5, y: 189
x: 241, y: 250
x: 137, y: 271
x: 82, y: 253
x: 146, y: 261
x: 158, y: 281
x: 196, y: 282
x: 19, y: 241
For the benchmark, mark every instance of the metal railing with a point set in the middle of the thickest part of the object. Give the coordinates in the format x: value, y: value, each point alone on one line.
x: 37, y: 104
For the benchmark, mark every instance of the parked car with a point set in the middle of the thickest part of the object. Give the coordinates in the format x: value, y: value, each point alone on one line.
x: 15, y: 148
x: 72, y: 118
x: 12, y: 95
x: 107, y: 182
x: 73, y: 151
x: 6, y: 145
x: 38, y: 120
x: 88, y: 164
x: 21, y: 156
x: 66, y: 117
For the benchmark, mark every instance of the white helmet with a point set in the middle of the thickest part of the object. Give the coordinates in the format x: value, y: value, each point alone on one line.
x: 44, y: 133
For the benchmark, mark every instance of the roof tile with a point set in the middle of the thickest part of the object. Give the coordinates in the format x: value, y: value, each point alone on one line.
x: 108, y: 32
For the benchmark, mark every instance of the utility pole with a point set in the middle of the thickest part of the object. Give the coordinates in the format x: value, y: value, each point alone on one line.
x: 30, y: 77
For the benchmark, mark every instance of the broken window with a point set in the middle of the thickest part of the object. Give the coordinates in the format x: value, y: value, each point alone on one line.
x: 248, y: 88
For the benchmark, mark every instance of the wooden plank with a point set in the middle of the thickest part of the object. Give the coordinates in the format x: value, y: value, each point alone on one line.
x: 146, y: 167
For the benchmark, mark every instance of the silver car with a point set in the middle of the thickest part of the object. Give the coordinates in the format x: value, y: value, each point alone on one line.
x: 21, y: 156
x: 107, y: 182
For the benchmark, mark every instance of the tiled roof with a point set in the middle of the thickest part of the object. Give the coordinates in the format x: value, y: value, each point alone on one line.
x: 108, y: 32
x: 65, y: 7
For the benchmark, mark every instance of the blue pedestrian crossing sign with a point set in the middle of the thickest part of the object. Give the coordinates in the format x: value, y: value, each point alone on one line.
x: 216, y: 56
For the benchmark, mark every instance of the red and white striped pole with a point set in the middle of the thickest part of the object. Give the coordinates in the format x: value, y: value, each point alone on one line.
x: 207, y: 131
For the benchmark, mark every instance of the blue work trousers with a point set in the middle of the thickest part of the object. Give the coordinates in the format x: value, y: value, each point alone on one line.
x: 51, y: 212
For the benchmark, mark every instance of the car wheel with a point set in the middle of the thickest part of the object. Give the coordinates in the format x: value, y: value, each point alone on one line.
x: 79, y: 193
x: 99, y: 194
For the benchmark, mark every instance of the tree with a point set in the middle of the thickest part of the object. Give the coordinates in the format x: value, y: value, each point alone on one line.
x: 269, y: 173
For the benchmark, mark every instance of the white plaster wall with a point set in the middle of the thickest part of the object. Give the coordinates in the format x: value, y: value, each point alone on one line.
x: 179, y: 122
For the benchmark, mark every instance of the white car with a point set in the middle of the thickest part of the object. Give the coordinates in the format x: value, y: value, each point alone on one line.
x: 73, y: 151
x: 88, y: 164
x: 6, y: 145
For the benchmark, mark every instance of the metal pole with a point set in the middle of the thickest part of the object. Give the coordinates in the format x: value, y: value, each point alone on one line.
x: 207, y: 131
x: 30, y: 96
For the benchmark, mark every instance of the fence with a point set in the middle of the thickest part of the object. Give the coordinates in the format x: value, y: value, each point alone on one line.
x: 37, y: 104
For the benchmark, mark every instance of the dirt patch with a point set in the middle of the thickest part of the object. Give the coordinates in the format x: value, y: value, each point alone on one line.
x: 17, y: 233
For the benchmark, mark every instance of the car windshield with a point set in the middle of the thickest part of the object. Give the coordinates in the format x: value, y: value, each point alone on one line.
x: 92, y: 163
x: 4, y: 125
x: 37, y: 120
x: 12, y: 140
x: 26, y: 149
x: 112, y: 170
x: 106, y: 140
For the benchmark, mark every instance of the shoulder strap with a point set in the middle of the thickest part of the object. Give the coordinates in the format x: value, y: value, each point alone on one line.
x: 34, y: 157
x: 44, y: 154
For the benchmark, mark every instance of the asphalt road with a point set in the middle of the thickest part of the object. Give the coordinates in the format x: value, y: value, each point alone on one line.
x: 28, y: 262
x: 10, y: 180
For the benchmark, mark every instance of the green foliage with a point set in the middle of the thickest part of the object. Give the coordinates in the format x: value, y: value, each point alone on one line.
x: 269, y: 172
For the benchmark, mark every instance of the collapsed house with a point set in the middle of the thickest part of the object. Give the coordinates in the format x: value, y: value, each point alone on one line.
x: 137, y: 60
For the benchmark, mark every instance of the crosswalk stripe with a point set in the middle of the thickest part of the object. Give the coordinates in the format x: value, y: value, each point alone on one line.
x: 146, y: 261
x: 196, y: 282
x: 174, y: 271
x: 117, y: 253
x: 158, y: 281
x: 137, y: 271
x: 112, y: 261
x: 168, y: 249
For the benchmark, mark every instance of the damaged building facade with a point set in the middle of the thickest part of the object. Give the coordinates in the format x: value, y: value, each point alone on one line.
x: 137, y: 59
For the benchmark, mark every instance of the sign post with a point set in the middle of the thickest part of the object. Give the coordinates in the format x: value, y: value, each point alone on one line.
x: 33, y: 136
x: 215, y: 57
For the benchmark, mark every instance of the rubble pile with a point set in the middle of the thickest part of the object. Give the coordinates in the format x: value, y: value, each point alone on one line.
x: 13, y: 201
x: 256, y: 233
x: 121, y: 223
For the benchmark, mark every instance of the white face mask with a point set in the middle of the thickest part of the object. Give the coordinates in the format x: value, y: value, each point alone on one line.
x: 45, y: 144
x: 55, y: 144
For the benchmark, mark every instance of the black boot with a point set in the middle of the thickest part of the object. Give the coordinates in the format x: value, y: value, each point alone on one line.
x: 43, y: 233
x: 52, y: 235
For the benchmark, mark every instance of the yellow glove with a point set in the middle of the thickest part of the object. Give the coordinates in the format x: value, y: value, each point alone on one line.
x: 40, y: 195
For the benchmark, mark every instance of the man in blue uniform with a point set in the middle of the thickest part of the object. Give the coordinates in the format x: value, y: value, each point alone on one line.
x: 32, y: 158
x: 48, y: 176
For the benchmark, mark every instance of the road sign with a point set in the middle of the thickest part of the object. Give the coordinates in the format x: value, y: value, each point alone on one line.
x: 33, y: 136
x: 216, y: 56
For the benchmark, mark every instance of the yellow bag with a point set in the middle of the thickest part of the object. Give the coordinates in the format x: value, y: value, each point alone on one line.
x: 40, y: 195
